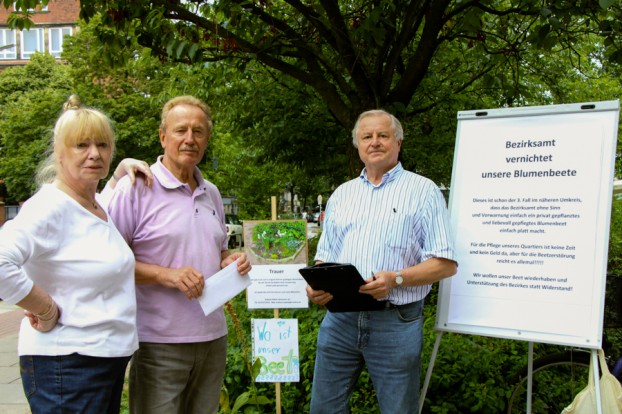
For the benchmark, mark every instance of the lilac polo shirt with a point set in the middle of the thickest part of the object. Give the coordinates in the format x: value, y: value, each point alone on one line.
x: 170, y: 226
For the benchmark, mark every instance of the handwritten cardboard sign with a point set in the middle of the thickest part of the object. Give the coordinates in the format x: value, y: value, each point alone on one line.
x: 275, y: 343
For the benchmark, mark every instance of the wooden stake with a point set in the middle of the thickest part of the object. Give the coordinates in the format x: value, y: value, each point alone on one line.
x: 276, y: 316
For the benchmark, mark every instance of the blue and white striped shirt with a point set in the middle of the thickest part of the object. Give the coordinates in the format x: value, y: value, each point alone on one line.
x: 390, y: 226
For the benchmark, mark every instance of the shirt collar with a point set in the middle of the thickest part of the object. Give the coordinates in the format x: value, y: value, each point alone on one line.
x: 389, y: 176
x: 168, y: 180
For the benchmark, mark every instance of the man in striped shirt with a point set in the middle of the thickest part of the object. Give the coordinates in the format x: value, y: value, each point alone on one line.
x: 392, y: 225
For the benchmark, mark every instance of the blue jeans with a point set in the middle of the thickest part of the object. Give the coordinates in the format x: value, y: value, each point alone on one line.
x: 388, y: 341
x: 73, y: 383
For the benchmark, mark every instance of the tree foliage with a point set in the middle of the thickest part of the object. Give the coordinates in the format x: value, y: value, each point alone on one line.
x: 328, y: 61
x: 31, y: 98
x: 357, y: 54
x: 274, y: 131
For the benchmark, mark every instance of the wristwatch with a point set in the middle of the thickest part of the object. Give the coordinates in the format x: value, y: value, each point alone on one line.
x: 399, y: 279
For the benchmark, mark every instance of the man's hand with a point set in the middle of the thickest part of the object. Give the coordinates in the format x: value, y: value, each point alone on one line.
x: 130, y: 167
x: 318, y: 297
x: 379, y: 285
x: 244, y: 265
x: 187, y: 279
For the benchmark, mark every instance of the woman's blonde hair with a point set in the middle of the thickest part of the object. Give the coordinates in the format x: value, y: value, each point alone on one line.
x: 76, y: 124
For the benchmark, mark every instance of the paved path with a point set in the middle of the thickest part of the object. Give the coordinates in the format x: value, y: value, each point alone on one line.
x: 312, y: 230
x: 12, y: 399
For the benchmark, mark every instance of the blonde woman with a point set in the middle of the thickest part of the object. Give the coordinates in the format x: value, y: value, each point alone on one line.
x: 64, y: 262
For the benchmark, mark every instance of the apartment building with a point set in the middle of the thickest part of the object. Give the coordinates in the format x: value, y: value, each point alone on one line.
x: 51, y: 24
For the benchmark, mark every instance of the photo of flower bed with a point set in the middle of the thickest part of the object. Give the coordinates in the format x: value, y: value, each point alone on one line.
x: 278, y: 241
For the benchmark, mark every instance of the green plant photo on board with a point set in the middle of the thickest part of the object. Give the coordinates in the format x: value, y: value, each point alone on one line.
x: 279, y: 241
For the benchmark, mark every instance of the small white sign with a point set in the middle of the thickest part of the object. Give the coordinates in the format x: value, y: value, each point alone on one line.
x: 277, y: 286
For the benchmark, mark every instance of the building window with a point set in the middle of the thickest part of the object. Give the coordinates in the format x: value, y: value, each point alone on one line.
x: 7, y: 38
x: 40, y: 8
x: 57, y: 34
x: 32, y: 41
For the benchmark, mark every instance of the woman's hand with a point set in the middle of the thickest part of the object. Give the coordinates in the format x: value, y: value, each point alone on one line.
x: 44, y: 322
x: 44, y: 312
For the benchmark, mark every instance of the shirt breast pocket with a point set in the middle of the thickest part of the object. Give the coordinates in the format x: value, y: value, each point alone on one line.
x: 400, y: 231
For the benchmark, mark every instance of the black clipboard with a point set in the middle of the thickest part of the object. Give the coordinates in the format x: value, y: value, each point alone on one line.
x: 343, y: 282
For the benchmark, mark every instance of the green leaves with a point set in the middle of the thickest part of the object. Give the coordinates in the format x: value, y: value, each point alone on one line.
x: 605, y: 4
x: 21, y: 18
x: 276, y: 241
x: 31, y: 98
x: 358, y: 54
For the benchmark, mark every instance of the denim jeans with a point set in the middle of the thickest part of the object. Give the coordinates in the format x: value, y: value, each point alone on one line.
x: 73, y: 383
x: 389, y: 342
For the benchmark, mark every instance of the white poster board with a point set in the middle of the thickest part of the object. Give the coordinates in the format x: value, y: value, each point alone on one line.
x: 277, y: 286
x: 530, y: 204
x: 275, y: 343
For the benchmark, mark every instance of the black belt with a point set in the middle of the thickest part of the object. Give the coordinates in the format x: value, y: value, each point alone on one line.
x: 390, y: 306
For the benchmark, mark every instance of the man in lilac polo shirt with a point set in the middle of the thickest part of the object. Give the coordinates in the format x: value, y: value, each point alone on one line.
x: 177, y: 232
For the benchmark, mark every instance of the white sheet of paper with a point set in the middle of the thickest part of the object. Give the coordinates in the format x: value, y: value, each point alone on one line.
x: 222, y: 287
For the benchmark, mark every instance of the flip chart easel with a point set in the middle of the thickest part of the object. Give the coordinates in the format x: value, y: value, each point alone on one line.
x: 531, y: 225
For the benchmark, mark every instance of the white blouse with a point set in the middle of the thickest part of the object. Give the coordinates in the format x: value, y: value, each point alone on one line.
x: 83, y: 263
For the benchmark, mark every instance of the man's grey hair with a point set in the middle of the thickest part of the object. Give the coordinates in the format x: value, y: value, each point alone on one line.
x: 398, y: 131
x: 186, y: 100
